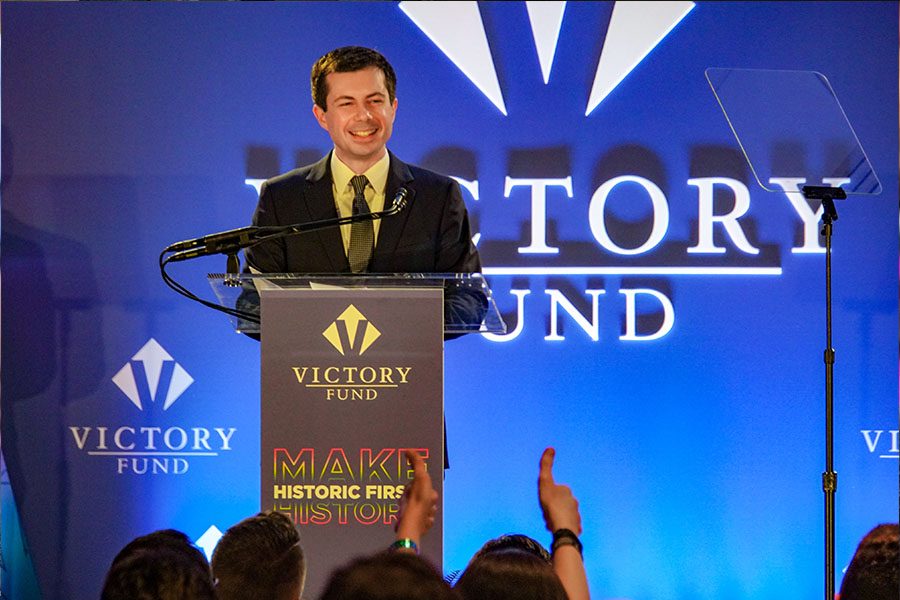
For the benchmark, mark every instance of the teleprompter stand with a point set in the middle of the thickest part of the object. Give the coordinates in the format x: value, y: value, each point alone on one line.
x: 769, y: 112
x: 827, y: 196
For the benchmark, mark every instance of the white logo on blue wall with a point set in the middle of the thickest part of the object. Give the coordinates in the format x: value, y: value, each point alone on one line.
x: 635, y: 29
x: 883, y: 443
x: 148, y: 447
x: 642, y: 314
x: 152, y: 373
x: 208, y: 541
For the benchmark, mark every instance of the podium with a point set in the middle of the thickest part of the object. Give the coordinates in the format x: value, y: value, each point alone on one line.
x: 351, y: 376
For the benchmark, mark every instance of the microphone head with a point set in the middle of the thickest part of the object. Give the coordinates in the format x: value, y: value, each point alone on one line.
x: 401, y: 198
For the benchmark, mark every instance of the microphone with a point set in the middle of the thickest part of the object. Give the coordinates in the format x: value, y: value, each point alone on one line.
x: 229, y: 242
x: 401, y: 199
x: 215, y: 240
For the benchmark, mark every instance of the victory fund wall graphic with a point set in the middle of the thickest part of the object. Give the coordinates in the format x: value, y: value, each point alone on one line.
x: 665, y: 313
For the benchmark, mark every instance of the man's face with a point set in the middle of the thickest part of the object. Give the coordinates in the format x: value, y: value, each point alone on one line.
x: 360, y: 116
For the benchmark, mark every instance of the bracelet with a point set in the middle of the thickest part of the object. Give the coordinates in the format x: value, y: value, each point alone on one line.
x: 565, y: 537
x: 405, y: 543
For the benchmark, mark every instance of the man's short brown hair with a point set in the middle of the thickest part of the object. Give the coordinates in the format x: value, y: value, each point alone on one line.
x: 260, y: 557
x: 345, y: 60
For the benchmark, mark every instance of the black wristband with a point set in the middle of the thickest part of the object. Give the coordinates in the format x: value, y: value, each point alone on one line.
x: 565, y: 537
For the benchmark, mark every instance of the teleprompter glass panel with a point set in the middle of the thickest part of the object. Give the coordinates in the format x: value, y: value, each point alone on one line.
x: 790, y: 124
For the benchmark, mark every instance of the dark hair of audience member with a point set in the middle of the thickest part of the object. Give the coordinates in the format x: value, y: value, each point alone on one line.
x: 388, y: 576
x: 260, y: 557
x: 874, y: 571
x: 162, y: 565
x: 510, y: 567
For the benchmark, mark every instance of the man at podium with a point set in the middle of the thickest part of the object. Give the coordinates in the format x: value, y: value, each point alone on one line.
x: 353, y: 90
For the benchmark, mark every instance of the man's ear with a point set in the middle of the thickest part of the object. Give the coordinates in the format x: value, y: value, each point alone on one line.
x: 319, y: 113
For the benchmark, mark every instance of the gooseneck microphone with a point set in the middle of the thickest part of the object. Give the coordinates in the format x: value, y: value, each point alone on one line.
x: 229, y: 242
x: 398, y: 203
x: 232, y: 236
x: 234, y: 240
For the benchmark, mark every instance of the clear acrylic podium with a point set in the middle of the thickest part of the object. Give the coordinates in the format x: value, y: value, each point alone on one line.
x: 351, y: 376
x: 462, y: 292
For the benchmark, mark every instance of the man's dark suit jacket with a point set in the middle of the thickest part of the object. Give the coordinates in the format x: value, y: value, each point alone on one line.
x: 431, y: 235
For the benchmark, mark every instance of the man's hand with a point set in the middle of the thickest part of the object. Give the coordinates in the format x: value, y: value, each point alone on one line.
x: 559, y: 506
x: 418, y: 505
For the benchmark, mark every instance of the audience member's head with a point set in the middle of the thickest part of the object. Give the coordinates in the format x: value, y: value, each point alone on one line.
x: 510, y: 567
x: 260, y: 557
x: 388, y: 576
x: 163, y: 565
x: 874, y: 571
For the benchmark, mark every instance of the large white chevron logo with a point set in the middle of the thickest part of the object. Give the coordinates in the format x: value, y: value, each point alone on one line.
x: 153, y: 358
x: 635, y: 29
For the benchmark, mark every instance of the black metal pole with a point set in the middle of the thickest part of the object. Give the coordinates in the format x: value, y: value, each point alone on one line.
x: 829, y: 477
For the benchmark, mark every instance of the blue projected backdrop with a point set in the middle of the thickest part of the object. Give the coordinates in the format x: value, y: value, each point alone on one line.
x: 666, y: 315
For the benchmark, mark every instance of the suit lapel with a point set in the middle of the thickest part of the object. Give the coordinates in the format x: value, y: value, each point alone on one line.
x: 391, y: 229
x: 320, y: 203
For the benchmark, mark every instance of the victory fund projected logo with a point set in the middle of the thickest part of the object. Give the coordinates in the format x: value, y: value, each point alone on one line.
x: 152, y: 381
x: 351, y: 334
x: 883, y: 443
x: 635, y: 234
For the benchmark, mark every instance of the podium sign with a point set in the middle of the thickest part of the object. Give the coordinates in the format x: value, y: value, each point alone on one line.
x: 350, y: 378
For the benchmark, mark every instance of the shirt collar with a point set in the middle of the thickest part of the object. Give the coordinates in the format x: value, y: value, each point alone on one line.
x: 377, y: 174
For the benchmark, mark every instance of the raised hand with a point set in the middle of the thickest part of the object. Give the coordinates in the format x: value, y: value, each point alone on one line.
x: 560, y: 510
x: 559, y: 506
x: 418, y: 505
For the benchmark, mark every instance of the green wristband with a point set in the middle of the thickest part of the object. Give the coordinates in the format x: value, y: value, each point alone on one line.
x: 405, y: 543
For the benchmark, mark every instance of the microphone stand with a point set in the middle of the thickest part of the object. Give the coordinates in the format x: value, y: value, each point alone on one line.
x: 829, y: 478
x: 231, y: 242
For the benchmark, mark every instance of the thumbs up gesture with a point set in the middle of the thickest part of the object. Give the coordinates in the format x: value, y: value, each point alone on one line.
x: 559, y: 506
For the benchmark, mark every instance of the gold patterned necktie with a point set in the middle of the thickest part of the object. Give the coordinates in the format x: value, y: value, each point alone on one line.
x: 362, y: 235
